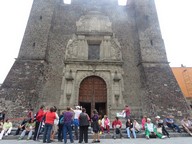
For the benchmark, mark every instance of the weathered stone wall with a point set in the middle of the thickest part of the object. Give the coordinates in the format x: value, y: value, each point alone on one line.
x: 163, y: 95
x: 22, y: 87
x: 36, y: 35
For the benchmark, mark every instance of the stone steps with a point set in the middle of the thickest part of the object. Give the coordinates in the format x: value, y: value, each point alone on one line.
x: 107, y: 136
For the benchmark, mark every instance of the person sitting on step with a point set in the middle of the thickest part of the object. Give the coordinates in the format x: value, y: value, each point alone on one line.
x: 21, y: 126
x: 130, y: 128
x: 117, y: 125
x: 187, y: 125
x: 171, y: 124
x: 160, y: 126
x: 136, y: 126
x: 151, y: 130
x: 7, y: 127
x: 105, y: 124
x: 29, y: 128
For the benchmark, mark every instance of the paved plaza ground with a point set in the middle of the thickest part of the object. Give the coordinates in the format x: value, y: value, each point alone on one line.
x: 176, y: 140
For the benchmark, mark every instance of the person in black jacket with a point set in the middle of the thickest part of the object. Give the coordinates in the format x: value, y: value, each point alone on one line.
x: 130, y: 128
x: 60, y: 128
x: 2, y: 116
x: 83, y: 126
x: 21, y: 126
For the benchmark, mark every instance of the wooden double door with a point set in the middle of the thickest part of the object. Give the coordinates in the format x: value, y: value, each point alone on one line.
x: 93, y: 95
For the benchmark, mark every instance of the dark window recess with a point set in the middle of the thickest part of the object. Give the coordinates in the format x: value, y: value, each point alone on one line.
x: 94, y: 52
x: 40, y: 17
x: 151, y: 42
x: 33, y: 44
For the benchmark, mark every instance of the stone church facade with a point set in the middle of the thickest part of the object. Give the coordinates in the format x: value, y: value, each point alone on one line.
x: 96, y: 54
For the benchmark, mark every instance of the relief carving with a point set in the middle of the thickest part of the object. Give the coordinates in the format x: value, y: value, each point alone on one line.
x: 94, y: 22
x: 115, y: 48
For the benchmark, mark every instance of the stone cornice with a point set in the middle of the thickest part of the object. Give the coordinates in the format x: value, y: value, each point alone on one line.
x: 94, y: 62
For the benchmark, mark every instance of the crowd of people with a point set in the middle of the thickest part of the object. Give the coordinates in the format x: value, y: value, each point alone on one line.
x: 47, y: 122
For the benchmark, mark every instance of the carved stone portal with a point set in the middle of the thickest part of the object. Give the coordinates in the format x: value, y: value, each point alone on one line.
x: 93, y: 28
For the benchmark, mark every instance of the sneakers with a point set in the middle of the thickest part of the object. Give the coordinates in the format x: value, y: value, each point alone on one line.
x: 163, y: 137
x: 147, y: 137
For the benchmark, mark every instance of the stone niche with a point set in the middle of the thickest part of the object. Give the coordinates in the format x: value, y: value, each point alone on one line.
x: 104, y: 60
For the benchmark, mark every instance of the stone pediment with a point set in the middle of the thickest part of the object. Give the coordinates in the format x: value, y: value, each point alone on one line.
x: 94, y: 21
x: 77, y: 50
x: 93, y: 28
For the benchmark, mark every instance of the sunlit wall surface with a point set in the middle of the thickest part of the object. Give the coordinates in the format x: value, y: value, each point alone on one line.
x: 183, y: 76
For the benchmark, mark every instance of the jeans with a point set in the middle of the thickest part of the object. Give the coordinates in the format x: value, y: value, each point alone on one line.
x: 67, y: 129
x: 76, y: 125
x: 129, y: 131
x: 174, y: 126
x: 29, y: 134
x: 47, y: 132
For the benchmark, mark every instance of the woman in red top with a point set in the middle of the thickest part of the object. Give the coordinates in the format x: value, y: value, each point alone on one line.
x: 49, y: 121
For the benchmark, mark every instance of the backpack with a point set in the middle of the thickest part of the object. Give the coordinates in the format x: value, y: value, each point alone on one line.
x: 61, y: 120
x: 1, y: 116
x: 117, y: 131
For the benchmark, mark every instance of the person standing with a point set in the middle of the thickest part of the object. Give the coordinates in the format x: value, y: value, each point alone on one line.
x: 60, y: 128
x: 30, y: 114
x: 55, y: 126
x: 83, y: 124
x: 77, y: 112
x: 49, y: 121
x: 95, y: 126
x: 127, y: 111
x: 38, y: 125
x: 68, y: 119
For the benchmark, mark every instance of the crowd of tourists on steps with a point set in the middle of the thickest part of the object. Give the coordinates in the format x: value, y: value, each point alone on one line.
x: 47, y: 122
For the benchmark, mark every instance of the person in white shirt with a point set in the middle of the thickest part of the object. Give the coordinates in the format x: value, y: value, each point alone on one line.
x: 151, y: 130
x: 77, y: 112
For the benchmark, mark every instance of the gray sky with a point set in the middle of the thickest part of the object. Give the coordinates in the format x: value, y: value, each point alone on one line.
x: 174, y: 17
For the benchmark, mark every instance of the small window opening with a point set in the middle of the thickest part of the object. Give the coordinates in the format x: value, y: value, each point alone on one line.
x: 67, y: 1
x: 40, y: 17
x: 94, y: 52
x: 122, y: 2
x: 34, y: 44
x: 151, y: 41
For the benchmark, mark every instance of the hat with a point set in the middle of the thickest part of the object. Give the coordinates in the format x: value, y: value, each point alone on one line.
x: 157, y: 117
x: 148, y: 119
x: 77, y: 107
